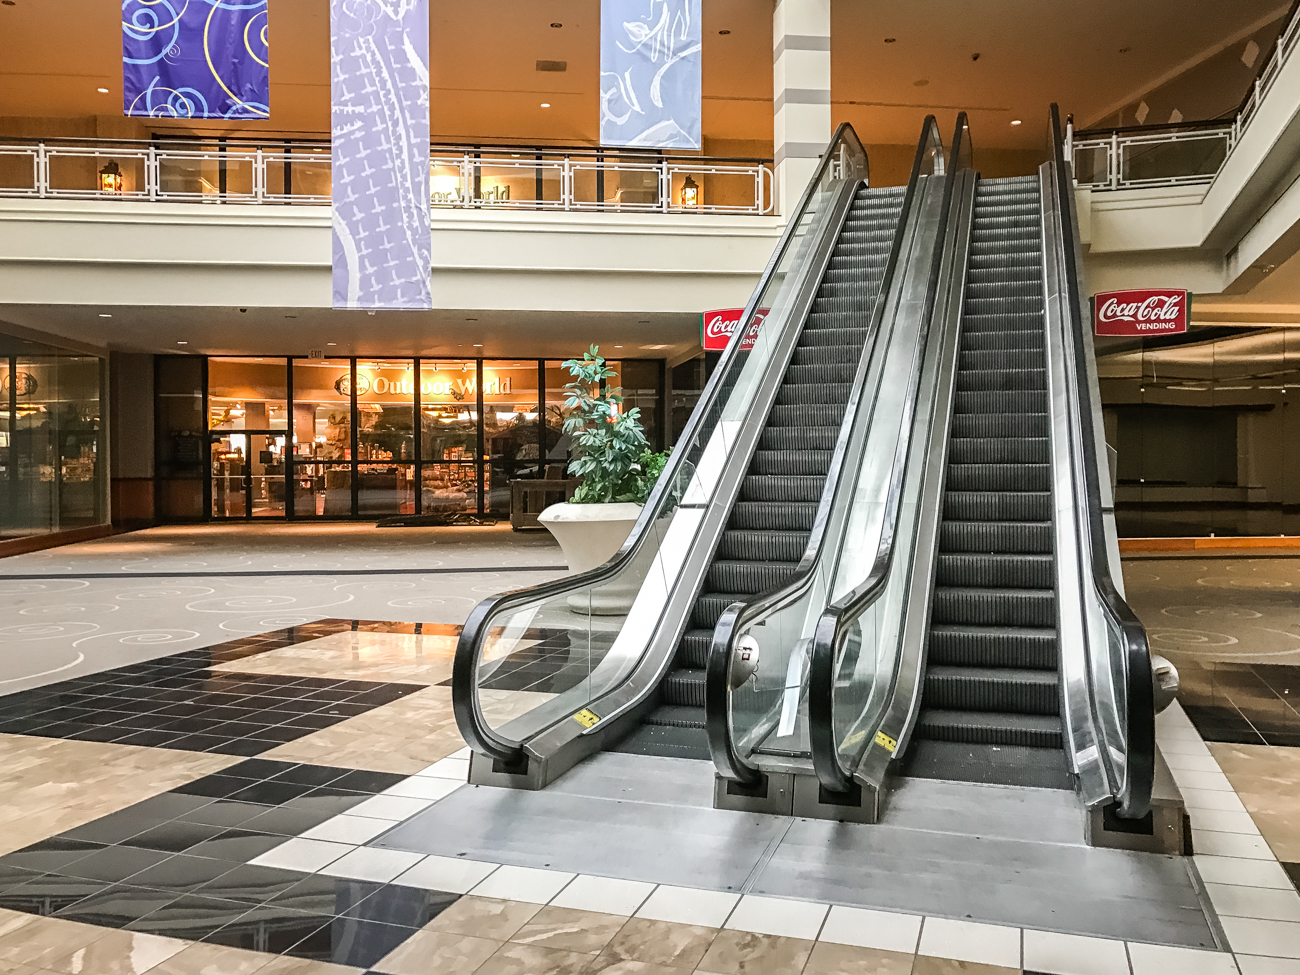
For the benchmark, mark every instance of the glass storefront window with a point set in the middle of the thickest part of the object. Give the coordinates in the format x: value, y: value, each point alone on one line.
x: 51, y: 439
x: 247, y: 394
x: 640, y: 380
x: 375, y: 438
x: 512, y: 427
x: 386, y: 410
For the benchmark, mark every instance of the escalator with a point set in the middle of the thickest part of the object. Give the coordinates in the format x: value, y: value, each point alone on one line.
x: 771, y: 522
x: 991, y: 705
x: 989, y: 642
x: 616, y: 658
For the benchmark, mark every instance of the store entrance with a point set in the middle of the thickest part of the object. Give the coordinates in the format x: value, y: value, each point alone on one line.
x: 248, y: 475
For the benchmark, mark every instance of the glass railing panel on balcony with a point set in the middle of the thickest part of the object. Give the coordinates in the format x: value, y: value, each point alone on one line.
x: 516, y: 180
x: 208, y: 174
x: 1188, y: 156
x: 299, y: 174
x: 613, y: 182
x: 90, y: 172
x: 19, y: 171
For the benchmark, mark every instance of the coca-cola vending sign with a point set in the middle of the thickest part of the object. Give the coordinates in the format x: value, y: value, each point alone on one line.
x: 1148, y: 311
x: 718, y: 327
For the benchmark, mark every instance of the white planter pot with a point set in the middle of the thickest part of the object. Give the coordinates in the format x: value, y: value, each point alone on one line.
x: 589, y: 535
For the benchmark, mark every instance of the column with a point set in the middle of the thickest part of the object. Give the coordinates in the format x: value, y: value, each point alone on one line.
x: 801, y: 89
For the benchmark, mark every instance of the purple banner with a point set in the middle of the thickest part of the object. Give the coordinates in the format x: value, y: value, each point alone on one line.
x: 195, y: 59
x: 379, y: 87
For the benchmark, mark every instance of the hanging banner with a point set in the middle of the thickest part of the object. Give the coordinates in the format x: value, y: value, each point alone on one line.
x: 650, y: 73
x: 379, y: 99
x: 195, y: 59
x: 1149, y: 311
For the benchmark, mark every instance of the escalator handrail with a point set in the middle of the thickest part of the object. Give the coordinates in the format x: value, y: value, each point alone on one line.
x: 739, y: 615
x: 473, y: 637
x: 1134, y: 798
x: 832, y: 626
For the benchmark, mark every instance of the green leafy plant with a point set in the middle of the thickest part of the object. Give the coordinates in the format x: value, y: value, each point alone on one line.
x: 610, y: 450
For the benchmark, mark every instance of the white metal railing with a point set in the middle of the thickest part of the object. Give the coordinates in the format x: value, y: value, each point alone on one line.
x: 1179, y: 156
x: 507, y: 178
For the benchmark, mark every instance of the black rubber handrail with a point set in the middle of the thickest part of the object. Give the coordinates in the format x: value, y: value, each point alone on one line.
x: 1134, y: 798
x: 739, y: 615
x: 473, y: 637
x: 833, y: 624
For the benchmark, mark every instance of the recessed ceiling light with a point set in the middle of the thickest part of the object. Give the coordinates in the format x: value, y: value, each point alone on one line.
x: 724, y: 33
x: 890, y: 40
x: 618, y: 346
x: 1015, y: 121
x: 102, y: 91
x: 921, y: 83
x: 546, y: 104
x: 1125, y: 50
x: 182, y: 343
x: 478, y: 345
x: 104, y: 314
x: 556, y: 23
x: 331, y: 343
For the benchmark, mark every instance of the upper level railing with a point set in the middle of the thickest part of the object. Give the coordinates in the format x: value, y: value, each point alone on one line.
x: 1179, y: 154
x: 461, y: 177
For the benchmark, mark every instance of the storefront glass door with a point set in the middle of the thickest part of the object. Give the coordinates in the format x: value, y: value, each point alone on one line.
x: 248, y: 475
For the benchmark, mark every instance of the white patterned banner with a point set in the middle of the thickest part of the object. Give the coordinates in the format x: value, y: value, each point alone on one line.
x: 379, y: 100
x: 650, y: 73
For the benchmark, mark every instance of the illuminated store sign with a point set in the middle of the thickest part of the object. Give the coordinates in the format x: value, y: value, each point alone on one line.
x: 457, y: 389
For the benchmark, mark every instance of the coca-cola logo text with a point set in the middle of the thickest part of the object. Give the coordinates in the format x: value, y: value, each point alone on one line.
x: 1152, y: 311
x: 720, y: 325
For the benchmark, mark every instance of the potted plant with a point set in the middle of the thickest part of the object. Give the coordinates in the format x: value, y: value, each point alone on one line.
x: 611, y: 455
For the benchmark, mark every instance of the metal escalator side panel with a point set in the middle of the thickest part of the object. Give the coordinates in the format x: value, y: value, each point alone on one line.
x: 886, y: 718
x: 529, y: 661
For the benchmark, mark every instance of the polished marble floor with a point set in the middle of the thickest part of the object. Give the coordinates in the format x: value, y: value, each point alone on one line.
x: 84, y: 608
x: 217, y: 845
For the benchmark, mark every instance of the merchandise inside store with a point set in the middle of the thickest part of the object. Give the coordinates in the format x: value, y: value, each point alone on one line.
x: 52, y: 476
x: 371, y: 438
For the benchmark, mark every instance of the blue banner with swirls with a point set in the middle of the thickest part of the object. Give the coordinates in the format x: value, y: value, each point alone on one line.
x: 195, y: 59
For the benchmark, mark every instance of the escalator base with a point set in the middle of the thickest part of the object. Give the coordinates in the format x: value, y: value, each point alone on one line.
x: 666, y: 741
x: 1038, y: 768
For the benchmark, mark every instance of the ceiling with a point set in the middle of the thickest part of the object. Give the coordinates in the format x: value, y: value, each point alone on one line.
x: 486, y: 87
x: 296, y: 331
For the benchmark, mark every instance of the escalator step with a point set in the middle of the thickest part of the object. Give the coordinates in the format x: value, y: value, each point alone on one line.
x: 814, y: 414
x: 999, y: 450
x: 999, y: 477
x: 753, y: 546
x: 965, y: 425
x: 977, y: 380
x: 1028, y: 339
x: 761, y: 515
x: 1001, y: 359
x: 992, y: 646
x: 813, y: 394
x: 843, y: 336
x: 990, y: 728
x: 1009, y: 570
x: 1000, y: 401
x: 802, y: 462
x: 1002, y: 689
x: 710, y: 606
x: 998, y: 505
x: 994, y: 607
x: 1019, y: 537
x: 834, y: 373
x: 796, y: 438
x: 694, y: 649
x: 684, y: 687
x: 677, y: 716
x: 781, y: 488
x: 813, y: 355
x: 750, y: 578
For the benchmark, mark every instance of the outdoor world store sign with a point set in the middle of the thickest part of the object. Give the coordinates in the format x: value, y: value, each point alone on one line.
x: 1149, y: 311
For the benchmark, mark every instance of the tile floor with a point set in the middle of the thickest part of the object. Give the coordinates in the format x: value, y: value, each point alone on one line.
x: 129, y: 858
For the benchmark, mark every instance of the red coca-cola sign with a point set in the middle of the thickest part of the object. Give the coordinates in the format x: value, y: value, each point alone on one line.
x: 718, y: 327
x: 1147, y: 311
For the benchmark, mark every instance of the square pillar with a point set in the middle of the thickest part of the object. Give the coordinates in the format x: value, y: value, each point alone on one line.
x: 801, y: 90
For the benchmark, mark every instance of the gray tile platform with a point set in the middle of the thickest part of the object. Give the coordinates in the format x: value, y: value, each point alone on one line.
x: 984, y: 853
